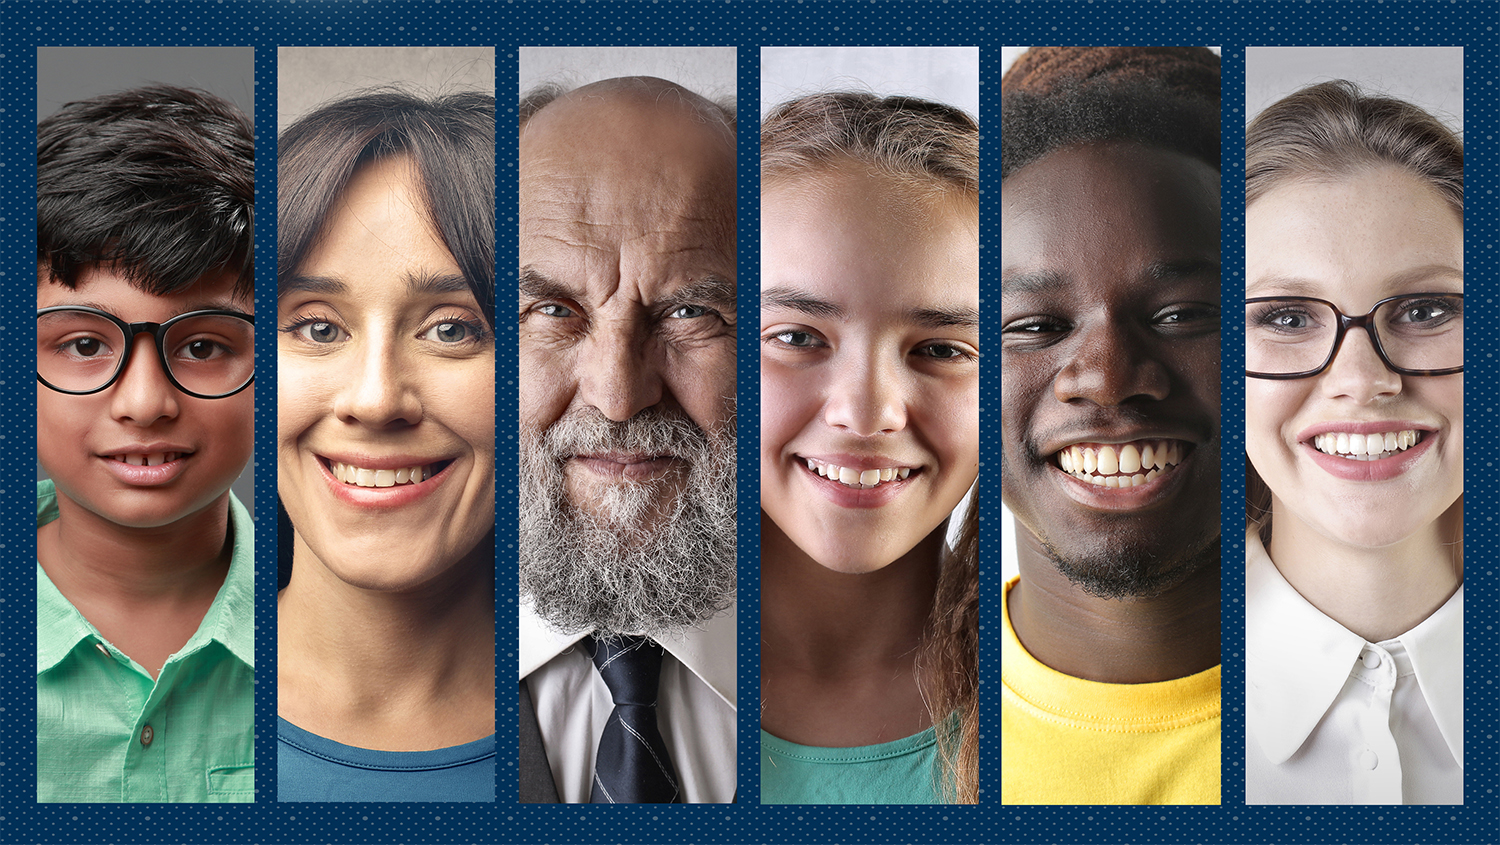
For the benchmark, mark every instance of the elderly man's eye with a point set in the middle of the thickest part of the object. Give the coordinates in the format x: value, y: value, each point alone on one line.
x: 553, y: 309
x: 688, y: 312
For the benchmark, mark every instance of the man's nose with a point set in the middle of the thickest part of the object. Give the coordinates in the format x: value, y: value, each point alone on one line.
x: 380, y: 391
x: 144, y: 393
x: 620, y: 369
x: 1112, y: 365
x: 868, y: 397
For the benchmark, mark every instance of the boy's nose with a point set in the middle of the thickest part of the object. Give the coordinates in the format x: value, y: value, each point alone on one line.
x: 144, y: 393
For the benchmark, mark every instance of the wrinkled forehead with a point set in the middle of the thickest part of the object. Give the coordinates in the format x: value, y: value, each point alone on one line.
x: 618, y: 171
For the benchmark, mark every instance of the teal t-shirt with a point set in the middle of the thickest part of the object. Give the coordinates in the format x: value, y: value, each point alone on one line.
x: 906, y: 771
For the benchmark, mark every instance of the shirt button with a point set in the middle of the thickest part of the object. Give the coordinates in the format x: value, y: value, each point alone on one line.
x: 1372, y: 660
x: 147, y: 735
x: 1368, y: 760
x: 102, y: 650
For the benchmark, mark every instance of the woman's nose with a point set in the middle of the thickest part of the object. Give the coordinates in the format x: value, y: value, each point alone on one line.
x: 868, y: 397
x: 380, y: 391
x: 144, y: 394
x: 1357, y: 371
x: 1112, y: 365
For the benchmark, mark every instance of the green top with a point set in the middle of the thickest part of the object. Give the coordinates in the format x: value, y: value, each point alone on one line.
x: 105, y: 731
x: 905, y: 771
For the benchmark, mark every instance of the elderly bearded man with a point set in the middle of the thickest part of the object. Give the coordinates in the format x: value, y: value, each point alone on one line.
x: 627, y: 315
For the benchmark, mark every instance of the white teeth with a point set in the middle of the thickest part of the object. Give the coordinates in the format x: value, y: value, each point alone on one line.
x: 1120, y: 464
x: 859, y: 479
x: 1365, y: 447
x: 361, y: 477
x: 148, y: 459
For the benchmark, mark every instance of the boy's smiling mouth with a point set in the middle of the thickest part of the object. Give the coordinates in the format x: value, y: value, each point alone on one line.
x: 148, y: 459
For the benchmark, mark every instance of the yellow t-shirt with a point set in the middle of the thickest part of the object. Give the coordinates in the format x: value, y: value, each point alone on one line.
x: 1065, y: 740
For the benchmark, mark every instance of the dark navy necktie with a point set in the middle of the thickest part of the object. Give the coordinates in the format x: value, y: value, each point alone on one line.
x: 632, y: 766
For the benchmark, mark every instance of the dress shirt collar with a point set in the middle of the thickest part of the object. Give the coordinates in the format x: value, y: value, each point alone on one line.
x: 1298, y: 659
x: 707, y: 651
x: 230, y: 620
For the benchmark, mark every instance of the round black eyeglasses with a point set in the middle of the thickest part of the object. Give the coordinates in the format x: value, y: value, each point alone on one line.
x: 205, y: 354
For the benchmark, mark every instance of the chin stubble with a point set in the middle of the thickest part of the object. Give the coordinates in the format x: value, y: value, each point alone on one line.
x: 1131, y: 573
x: 638, y: 564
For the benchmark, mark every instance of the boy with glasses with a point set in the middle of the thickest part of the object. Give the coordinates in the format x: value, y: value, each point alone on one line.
x: 145, y: 357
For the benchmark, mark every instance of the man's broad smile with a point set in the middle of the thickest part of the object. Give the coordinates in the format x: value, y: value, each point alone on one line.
x: 1117, y: 465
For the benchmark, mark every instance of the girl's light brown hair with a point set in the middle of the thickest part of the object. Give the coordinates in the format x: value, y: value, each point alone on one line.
x: 929, y: 150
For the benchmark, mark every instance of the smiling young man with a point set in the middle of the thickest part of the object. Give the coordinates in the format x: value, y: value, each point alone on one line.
x: 1110, y: 459
x: 145, y: 356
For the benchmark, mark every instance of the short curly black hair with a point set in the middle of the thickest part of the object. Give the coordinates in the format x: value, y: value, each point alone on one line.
x: 158, y: 182
x: 1056, y: 97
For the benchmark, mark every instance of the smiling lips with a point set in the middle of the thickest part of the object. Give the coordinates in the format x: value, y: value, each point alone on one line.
x: 148, y: 459
x: 1121, y: 464
x: 866, y: 479
x: 362, y: 477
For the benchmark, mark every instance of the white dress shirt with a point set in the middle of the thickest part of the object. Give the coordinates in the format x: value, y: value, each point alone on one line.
x: 1332, y: 719
x: 696, y: 710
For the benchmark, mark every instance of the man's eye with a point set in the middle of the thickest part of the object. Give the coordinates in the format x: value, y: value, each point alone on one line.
x: 553, y: 309
x: 1192, y: 313
x: 1035, y: 326
x: 945, y: 352
x: 317, y: 331
x: 688, y: 312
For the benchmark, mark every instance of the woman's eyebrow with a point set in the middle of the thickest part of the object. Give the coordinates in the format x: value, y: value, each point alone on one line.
x: 324, y: 285
x: 944, y: 318
x: 801, y: 301
x: 430, y: 284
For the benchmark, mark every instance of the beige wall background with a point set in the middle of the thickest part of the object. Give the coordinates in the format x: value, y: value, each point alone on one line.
x: 310, y: 76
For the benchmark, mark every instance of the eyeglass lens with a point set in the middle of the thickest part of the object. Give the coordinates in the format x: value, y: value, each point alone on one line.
x: 1285, y: 336
x: 209, y: 355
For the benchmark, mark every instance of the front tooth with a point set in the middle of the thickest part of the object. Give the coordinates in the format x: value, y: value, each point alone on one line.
x: 1111, y: 481
x: 1162, y: 450
x: 1358, y: 445
x: 364, y: 477
x: 869, y: 477
x: 1341, y: 445
x: 1109, y: 464
x: 1148, y: 457
x: 887, y: 474
x: 848, y: 476
x: 1390, y: 441
x: 136, y: 460
x: 1090, y: 461
x: 385, y: 478
x: 1130, y: 459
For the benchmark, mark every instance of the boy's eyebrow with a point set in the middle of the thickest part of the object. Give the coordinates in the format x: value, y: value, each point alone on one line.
x: 802, y: 301
x: 226, y: 303
x: 944, y: 318
x: 324, y: 285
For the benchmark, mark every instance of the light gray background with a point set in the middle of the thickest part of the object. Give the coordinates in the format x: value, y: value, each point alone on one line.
x: 706, y: 71
x: 945, y: 74
x: 307, y: 77
x: 1008, y: 57
x: 65, y: 74
x: 1430, y: 77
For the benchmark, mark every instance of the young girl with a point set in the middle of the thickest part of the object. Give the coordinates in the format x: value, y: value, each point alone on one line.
x: 870, y: 439
x: 1354, y: 418
x: 386, y: 450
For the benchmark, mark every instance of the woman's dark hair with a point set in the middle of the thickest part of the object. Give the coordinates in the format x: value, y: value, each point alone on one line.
x: 929, y: 149
x: 451, y: 141
x: 1056, y: 97
x: 157, y: 182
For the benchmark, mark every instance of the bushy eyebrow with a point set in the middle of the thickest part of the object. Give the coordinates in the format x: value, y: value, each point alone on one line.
x: 1040, y: 281
x: 538, y: 286
x: 944, y: 318
x: 800, y: 301
x: 432, y: 284
x: 1168, y: 271
x: 322, y: 285
x: 710, y: 290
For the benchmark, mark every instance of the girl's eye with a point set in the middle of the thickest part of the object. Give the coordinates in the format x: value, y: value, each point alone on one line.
x: 455, y: 331
x: 688, y: 312
x: 797, y: 340
x: 319, y: 331
x: 553, y: 309
x: 945, y: 352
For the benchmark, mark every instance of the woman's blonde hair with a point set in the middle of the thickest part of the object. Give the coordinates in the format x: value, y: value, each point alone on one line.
x: 1331, y: 130
x: 929, y: 149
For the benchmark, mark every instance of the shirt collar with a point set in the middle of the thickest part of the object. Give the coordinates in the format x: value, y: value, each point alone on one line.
x: 230, y: 620
x: 1297, y: 660
x: 708, y: 651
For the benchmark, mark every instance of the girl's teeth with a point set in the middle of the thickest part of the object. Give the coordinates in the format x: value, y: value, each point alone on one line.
x: 1120, y: 464
x: 1366, y: 447
x: 151, y: 459
x: 361, y: 477
x: 858, y: 479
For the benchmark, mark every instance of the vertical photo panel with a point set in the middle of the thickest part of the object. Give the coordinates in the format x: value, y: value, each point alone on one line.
x: 385, y: 310
x: 627, y: 425
x: 869, y: 453
x: 145, y: 345
x: 1354, y: 425
x: 1110, y: 418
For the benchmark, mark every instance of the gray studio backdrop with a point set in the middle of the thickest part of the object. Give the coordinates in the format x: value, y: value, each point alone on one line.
x: 65, y: 74
x: 307, y: 77
x: 945, y: 74
x: 1430, y: 77
x: 706, y: 71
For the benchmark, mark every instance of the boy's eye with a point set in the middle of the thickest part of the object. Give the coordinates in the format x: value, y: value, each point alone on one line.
x: 944, y: 352
x: 202, y: 350
x: 85, y: 347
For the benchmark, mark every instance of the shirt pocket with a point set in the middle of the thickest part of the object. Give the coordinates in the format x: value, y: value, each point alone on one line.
x: 231, y: 784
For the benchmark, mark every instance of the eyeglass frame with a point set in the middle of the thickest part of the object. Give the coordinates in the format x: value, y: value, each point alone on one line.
x: 1345, y: 323
x: 158, y: 332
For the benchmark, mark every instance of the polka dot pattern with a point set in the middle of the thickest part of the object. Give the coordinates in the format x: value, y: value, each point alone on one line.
x: 267, y: 24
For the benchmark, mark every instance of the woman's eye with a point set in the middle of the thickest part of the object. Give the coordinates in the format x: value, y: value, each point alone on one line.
x: 796, y: 340
x: 320, y: 331
x: 945, y: 352
x: 553, y: 309
x: 455, y: 331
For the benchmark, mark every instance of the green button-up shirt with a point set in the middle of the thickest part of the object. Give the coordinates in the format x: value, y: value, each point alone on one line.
x: 106, y: 731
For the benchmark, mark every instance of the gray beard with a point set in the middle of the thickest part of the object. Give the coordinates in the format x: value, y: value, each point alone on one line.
x: 623, y: 571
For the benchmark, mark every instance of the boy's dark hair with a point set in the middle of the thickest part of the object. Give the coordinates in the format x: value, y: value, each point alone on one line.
x: 157, y: 182
x: 1055, y: 97
x: 451, y: 139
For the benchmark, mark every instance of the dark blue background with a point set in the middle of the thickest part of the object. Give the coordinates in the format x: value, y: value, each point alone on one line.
x: 507, y: 25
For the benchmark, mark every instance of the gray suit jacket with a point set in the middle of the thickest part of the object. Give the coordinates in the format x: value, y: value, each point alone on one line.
x: 537, y: 786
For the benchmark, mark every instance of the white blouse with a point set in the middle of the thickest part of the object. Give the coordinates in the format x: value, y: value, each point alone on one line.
x: 1332, y: 719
